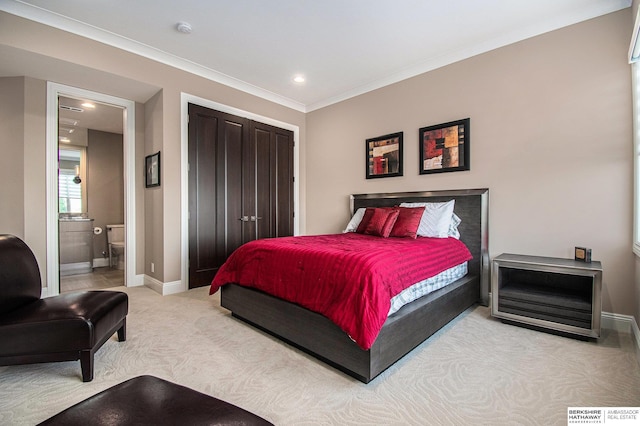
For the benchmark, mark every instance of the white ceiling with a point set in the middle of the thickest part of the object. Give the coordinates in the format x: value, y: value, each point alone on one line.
x: 342, y: 47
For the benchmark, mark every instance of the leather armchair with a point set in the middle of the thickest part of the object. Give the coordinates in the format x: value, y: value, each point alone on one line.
x: 67, y: 327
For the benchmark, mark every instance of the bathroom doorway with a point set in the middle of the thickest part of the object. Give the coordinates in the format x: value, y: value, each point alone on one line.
x: 90, y: 190
x: 90, y: 194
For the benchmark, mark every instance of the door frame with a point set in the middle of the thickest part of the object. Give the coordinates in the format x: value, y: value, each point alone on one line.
x: 54, y: 90
x: 185, y: 100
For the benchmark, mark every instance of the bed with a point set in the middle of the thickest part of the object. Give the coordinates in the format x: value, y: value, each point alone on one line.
x: 401, y: 331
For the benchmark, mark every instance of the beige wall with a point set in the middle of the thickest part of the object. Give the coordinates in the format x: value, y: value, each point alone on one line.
x: 97, y: 67
x: 22, y: 126
x: 139, y: 187
x: 153, y: 196
x: 105, y: 184
x: 12, y: 94
x: 34, y: 173
x: 550, y: 137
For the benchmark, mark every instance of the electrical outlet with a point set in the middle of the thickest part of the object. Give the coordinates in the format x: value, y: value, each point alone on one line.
x: 153, y: 267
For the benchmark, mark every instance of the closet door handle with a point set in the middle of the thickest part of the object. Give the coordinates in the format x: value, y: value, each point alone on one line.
x: 255, y: 218
x: 244, y: 218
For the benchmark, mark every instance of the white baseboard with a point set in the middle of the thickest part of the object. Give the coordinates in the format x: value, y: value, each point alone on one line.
x: 163, y: 288
x: 173, y: 288
x: 153, y: 284
x: 617, y: 322
x: 139, y: 281
x: 623, y: 324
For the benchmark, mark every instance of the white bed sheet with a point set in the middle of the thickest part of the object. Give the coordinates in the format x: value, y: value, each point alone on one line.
x: 427, y: 286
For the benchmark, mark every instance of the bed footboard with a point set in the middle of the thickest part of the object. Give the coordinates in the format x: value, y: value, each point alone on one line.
x: 321, y: 338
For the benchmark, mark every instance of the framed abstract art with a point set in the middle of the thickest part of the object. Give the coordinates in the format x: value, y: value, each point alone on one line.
x: 384, y: 156
x: 445, y: 147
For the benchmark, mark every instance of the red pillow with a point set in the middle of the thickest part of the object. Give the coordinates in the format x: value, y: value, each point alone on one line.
x: 407, y: 223
x: 362, y: 226
x: 382, y: 222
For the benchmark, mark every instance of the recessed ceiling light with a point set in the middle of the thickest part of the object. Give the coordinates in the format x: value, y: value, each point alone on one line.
x: 88, y: 105
x: 183, y: 27
x: 299, y: 79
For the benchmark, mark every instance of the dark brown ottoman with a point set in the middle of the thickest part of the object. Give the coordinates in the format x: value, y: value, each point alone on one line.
x: 148, y: 400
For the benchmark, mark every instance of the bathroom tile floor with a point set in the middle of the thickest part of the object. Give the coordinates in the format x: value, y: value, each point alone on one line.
x: 100, y: 278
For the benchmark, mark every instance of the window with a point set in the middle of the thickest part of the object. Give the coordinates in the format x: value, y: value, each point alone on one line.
x: 70, y: 180
x: 69, y: 192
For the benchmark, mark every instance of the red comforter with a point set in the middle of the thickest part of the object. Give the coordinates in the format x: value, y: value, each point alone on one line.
x: 349, y: 278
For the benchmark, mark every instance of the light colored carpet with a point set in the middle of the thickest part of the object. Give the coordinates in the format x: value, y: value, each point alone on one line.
x: 474, y: 371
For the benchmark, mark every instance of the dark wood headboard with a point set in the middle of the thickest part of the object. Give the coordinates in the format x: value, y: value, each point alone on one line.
x: 472, y: 206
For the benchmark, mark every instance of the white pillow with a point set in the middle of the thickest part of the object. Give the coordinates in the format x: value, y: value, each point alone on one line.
x: 355, y: 220
x: 453, y: 229
x: 436, y: 219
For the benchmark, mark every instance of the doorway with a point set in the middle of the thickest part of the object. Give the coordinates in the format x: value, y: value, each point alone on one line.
x: 90, y: 194
x: 69, y: 100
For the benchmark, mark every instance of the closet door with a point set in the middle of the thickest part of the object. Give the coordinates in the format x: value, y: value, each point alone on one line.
x: 240, y: 187
x: 268, y: 190
x: 216, y: 141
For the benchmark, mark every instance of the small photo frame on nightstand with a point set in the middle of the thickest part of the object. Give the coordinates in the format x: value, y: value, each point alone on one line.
x: 583, y: 254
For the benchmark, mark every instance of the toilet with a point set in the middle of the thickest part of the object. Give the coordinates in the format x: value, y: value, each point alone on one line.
x: 115, y: 239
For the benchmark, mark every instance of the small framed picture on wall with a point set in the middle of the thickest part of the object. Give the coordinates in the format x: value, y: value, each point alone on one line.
x: 152, y: 170
x: 384, y: 156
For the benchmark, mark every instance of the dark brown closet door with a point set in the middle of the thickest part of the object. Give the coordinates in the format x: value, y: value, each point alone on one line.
x: 240, y: 187
x: 215, y: 184
x: 269, y: 176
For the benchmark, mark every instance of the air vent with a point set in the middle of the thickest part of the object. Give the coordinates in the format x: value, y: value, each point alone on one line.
x: 70, y: 108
